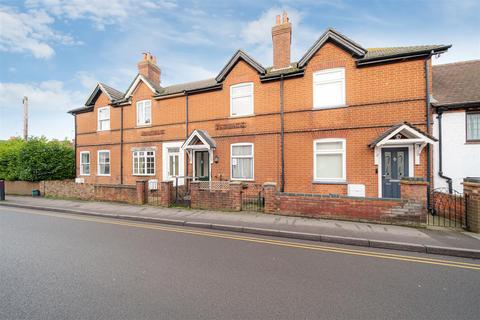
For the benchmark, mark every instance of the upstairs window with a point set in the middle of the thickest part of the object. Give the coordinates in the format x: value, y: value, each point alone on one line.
x: 329, y: 88
x: 84, y: 163
x: 104, y: 119
x: 144, y: 113
x: 329, y: 160
x: 103, y: 163
x: 241, y: 99
x: 242, y: 161
x: 473, y: 126
x: 144, y: 163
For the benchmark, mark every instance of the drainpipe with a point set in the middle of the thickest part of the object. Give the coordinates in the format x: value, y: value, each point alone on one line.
x: 440, y: 154
x: 121, y: 144
x: 186, y: 131
x: 427, y: 106
x: 75, y: 145
x: 282, y: 135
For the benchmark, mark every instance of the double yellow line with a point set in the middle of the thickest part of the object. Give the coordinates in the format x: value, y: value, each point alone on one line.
x: 290, y: 244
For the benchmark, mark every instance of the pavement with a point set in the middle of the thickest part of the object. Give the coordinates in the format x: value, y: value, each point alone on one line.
x: 438, y: 241
x: 64, y: 266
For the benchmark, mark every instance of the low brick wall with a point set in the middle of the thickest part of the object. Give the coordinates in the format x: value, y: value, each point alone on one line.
x: 21, y: 188
x: 67, y: 189
x: 471, y: 189
x: 230, y: 200
x: 118, y: 193
x: 407, y: 211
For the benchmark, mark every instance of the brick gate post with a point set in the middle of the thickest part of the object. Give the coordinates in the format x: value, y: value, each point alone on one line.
x: 141, y: 191
x: 194, y: 190
x: 270, y: 202
x: 166, y: 193
x: 236, y: 195
x: 471, y: 189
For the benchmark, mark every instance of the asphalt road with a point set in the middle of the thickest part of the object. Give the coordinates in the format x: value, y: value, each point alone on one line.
x: 56, y: 266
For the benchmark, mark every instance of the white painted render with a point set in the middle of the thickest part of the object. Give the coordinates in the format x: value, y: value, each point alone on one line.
x: 460, y: 159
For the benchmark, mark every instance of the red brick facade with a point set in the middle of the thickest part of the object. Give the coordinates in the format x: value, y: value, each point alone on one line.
x: 377, y: 97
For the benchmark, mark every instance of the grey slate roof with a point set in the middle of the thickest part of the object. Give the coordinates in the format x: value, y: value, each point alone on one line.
x: 456, y: 83
x: 390, y: 52
x: 179, y: 88
x: 112, y: 92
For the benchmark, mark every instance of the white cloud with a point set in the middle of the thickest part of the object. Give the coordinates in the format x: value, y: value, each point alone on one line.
x: 29, y: 32
x: 49, y: 102
x: 101, y: 12
x: 86, y: 79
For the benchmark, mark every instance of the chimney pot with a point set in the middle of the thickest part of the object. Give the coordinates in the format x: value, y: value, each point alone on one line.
x: 281, y: 38
x: 148, y: 68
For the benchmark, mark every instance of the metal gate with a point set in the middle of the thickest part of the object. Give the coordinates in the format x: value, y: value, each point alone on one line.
x: 447, y: 209
x: 253, y: 198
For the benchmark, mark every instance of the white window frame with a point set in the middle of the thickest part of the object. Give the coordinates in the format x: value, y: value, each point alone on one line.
x: 467, y: 114
x: 252, y: 156
x: 142, y: 104
x: 343, y: 152
x: 145, y: 163
x: 317, y: 104
x: 109, y: 163
x: 82, y: 173
x: 99, y: 127
x: 251, y: 111
x: 166, y: 161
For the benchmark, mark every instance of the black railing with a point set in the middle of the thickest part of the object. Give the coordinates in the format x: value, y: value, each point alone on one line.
x: 447, y: 209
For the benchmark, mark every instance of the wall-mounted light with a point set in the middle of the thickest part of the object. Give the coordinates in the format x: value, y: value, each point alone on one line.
x: 216, y: 159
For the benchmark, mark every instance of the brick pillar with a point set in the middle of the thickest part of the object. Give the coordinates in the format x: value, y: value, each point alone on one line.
x: 471, y: 189
x: 414, y: 189
x: 141, y: 191
x: 236, y: 195
x: 166, y: 193
x: 270, y: 188
x: 194, y: 189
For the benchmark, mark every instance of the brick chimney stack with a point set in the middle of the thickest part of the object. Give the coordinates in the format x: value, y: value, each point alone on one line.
x: 282, y: 39
x: 148, y: 68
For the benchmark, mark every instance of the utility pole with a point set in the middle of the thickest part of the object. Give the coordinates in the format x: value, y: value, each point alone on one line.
x: 25, y: 118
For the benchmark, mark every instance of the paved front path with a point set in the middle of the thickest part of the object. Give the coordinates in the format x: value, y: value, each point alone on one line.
x: 443, y: 238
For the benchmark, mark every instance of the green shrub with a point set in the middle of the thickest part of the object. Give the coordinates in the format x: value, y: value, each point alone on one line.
x: 36, y: 159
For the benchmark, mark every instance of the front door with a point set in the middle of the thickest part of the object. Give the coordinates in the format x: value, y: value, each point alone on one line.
x: 394, y: 168
x: 202, y: 166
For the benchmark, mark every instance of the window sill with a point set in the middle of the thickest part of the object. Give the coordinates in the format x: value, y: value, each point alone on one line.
x: 332, y: 107
x: 472, y: 142
x: 339, y: 182
x: 242, y: 116
x: 84, y: 175
x: 246, y: 180
x: 103, y: 130
x: 143, y: 125
x: 103, y: 175
x: 143, y: 175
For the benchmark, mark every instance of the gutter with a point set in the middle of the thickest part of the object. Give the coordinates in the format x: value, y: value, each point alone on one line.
x: 401, y: 56
x: 440, y: 154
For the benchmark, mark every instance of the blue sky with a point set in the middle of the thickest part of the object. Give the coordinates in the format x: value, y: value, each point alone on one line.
x: 55, y: 51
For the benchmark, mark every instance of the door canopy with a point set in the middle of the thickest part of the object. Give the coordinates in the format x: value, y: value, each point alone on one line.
x: 401, y: 135
x: 199, y: 140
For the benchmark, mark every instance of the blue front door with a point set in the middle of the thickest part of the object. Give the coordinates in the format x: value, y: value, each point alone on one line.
x: 394, y: 168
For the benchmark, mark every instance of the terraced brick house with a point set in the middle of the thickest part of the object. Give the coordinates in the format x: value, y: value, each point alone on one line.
x: 343, y: 119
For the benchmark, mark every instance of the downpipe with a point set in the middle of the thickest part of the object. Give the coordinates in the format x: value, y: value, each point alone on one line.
x: 440, y: 153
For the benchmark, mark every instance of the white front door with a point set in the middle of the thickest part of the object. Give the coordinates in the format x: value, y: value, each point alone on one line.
x: 173, y: 162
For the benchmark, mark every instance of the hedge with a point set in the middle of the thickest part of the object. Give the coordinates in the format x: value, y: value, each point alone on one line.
x: 36, y: 159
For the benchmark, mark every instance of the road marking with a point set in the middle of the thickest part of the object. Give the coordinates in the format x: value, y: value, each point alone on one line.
x: 390, y: 256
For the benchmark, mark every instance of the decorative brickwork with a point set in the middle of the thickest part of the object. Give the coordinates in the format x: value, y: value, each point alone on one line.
x: 471, y: 189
